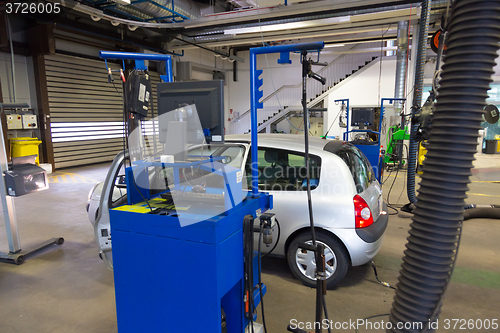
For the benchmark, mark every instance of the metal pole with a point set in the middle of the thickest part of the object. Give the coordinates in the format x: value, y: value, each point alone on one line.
x: 253, y: 124
x: 12, y: 60
x: 401, y: 70
x: 9, y: 211
x: 401, y: 65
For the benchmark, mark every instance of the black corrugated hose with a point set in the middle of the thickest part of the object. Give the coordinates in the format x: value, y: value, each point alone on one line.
x: 472, y: 44
x: 481, y: 212
x: 417, y: 98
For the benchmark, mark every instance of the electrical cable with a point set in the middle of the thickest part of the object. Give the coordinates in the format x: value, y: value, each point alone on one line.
x: 248, y: 234
x: 137, y: 188
x: 389, y: 205
x: 124, y: 122
x: 299, y: 126
x: 277, y: 240
x: 404, y: 178
x: 338, y: 114
x: 326, y: 314
x: 385, y: 284
x: 395, y: 206
x: 114, y: 86
x: 260, y: 280
x: 388, y: 176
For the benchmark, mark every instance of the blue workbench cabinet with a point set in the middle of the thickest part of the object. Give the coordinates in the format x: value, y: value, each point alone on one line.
x: 170, y: 278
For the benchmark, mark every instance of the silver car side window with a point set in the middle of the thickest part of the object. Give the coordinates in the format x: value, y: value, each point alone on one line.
x: 282, y: 170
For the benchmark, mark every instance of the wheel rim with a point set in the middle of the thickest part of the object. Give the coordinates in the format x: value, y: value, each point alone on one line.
x: 306, y: 263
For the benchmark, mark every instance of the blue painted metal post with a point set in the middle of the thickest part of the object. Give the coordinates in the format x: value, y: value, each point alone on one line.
x: 253, y: 125
x: 168, y: 67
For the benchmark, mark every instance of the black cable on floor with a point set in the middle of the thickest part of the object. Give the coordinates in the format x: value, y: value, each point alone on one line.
x: 385, y: 284
x: 389, y: 205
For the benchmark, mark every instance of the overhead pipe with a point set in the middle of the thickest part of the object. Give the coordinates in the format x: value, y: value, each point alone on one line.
x: 12, y: 59
x: 430, y: 255
x: 401, y: 70
x: 401, y: 62
x: 417, y: 98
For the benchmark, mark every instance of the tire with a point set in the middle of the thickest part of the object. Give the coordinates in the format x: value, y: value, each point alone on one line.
x: 337, y: 259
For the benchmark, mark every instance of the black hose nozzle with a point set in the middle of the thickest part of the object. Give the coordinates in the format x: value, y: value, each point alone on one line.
x: 317, y: 77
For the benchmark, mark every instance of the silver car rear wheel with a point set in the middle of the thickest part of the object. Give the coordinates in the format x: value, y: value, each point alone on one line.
x: 306, y: 261
x: 303, y: 264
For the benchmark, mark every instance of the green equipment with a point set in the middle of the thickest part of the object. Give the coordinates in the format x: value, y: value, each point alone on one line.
x: 395, y: 135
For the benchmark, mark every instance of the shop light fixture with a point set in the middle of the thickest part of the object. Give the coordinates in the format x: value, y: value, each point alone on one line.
x: 334, y: 45
x: 288, y: 26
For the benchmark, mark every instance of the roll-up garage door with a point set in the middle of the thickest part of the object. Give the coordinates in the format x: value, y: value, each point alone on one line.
x: 150, y: 124
x: 86, y: 111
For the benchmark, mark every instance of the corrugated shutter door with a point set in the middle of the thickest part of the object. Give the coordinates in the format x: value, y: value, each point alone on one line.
x: 151, y: 130
x: 86, y: 111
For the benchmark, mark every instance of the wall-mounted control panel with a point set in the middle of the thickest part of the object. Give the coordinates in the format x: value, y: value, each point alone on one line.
x: 29, y: 121
x: 14, y: 121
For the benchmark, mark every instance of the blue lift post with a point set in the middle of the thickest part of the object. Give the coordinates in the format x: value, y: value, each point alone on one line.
x: 372, y: 151
x: 173, y: 278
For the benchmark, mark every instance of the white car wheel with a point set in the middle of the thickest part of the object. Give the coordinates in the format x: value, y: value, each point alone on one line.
x: 303, y: 264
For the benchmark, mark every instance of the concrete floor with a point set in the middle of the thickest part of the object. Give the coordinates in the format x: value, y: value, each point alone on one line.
x: 67, y: 289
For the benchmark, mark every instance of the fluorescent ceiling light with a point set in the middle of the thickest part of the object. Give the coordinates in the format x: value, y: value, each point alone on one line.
x: 123, y: 2
x: 288, y: 26
x: 334, y: 45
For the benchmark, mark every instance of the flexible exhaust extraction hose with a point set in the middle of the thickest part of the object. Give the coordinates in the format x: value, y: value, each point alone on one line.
x: 481, y: 212
x: 417, y: 99
x: 472, y: 43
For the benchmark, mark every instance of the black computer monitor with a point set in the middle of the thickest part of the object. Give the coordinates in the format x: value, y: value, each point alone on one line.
x: 208, y: 96
x: 362, y: 116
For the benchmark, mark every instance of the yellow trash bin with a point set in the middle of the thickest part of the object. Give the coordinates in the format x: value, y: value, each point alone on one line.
x: 25, y: 147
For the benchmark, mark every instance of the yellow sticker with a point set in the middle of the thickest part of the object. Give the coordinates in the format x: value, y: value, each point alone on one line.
x: 133, y: 209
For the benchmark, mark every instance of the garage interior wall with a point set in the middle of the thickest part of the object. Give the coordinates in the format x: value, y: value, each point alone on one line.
x: 24, y: 85
x: 363, y: 90
x: 25, y: 90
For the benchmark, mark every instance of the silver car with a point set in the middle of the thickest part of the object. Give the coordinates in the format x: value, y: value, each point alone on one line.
x: 348, y: 208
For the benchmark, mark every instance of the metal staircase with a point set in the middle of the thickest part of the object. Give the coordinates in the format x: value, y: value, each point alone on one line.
x: 286, y: 99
